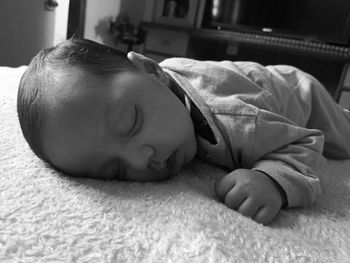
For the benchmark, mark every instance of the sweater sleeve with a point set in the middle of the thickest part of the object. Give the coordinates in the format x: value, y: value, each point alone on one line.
x: 290, y: 155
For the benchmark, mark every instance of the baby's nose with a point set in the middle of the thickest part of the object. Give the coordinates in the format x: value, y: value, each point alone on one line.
x: 141, y: 158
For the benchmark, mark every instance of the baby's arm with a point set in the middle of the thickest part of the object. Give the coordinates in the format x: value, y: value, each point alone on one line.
x: 252, y: 193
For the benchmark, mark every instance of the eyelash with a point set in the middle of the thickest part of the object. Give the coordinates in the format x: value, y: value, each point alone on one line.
x: 136, y: 125
x: 118, y: 172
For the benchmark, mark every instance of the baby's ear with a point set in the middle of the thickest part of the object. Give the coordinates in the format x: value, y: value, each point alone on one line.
x: 147, y: 65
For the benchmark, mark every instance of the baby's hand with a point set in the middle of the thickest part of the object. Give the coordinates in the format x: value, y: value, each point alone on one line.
x: 251, y: 193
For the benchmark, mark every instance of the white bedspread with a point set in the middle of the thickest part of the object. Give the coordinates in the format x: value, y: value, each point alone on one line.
x: 48, y: 217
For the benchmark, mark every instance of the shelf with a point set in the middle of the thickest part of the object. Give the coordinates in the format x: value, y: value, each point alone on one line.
x: 335, y: 52
x: 326, y: 62
x: 287, y: 44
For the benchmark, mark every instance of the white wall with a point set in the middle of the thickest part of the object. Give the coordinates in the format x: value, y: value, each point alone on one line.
x: 98, y: 15
x: 26, y: 27
x: 134, y: 8
x: 61, y: 21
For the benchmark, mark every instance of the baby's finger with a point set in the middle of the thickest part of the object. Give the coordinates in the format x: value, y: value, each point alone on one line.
x: 137, y: 59
x: 248, y: 208
x: 265, y: 215
x: 234, y: 198
x: 224, y: 185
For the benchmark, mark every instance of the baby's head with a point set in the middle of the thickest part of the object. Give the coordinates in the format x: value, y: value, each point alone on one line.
x: 91, y: 111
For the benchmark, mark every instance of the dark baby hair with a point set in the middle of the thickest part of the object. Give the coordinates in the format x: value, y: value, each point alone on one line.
x: 89, y: 56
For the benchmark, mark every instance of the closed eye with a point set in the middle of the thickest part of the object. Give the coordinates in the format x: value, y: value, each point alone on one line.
x: 137, y: 123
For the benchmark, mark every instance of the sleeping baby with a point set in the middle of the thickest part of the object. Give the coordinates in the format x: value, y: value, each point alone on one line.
x: 92, y: 111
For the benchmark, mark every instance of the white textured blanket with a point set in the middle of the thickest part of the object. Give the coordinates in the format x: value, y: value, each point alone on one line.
x: 48, y: 217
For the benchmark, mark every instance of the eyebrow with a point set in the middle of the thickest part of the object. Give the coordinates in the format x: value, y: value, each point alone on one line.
x: 109, y: 120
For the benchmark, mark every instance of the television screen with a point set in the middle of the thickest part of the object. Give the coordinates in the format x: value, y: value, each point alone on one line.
x: 325, y: 21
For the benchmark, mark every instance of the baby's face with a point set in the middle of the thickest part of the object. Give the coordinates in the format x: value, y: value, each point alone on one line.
x: 128, y: 127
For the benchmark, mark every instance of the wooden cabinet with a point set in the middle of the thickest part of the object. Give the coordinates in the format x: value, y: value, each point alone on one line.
x: 164, y: 43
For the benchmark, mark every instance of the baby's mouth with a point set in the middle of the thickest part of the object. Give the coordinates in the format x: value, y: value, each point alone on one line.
x: 171, y: 166
x: 161, y: 166
x: 170, y: 160
x: 174, y: 162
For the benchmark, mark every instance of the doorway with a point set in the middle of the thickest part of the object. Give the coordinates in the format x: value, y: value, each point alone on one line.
x: 76, y: 19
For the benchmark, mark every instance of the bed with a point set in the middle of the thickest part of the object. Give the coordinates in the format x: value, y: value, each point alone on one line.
x: 46, y: 216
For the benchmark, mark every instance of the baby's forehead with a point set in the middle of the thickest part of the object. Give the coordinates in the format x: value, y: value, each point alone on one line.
x: 79, y: 85
x: 68, y: 84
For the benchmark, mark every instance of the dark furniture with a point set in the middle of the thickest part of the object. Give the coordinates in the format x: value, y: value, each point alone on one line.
x: 329, y: 63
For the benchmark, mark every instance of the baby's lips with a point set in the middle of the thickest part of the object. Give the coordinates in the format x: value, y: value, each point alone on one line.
x: 175, y: 162
x: 158, y: 166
